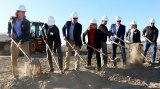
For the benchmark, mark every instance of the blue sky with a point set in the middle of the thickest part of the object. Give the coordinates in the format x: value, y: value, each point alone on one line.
x: 38, y: 10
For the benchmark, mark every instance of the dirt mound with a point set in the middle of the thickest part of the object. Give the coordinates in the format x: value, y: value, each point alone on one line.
x: 33, y: 67
x: 72, y: 80
x: 135, y: 56
x: 110, y: 78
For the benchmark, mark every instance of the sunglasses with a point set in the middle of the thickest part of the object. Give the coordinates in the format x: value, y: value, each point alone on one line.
x: 118, y: 21
x: 152, y: 23
x: 75, y: 18
x: 93, y: 24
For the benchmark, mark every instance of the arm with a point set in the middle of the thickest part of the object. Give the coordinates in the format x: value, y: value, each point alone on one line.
x: 26, y: 31
x: 123, y: 33
x: 64, y: 29
x: 155, y: 36
x: 127, y: 34
x: 144, y: 31
x: 84, y: 35
x: 44, y: 36
x: 139, y: 36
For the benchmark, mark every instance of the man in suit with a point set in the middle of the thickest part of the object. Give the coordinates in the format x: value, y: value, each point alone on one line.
x: 118, y: 31
x: 72, y: 31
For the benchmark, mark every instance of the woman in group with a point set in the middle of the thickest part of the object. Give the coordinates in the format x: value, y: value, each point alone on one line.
x: 93, y: 42
x: 133, y: 34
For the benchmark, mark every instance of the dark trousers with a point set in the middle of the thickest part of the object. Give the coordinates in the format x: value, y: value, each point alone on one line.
x: 59, y: 54
x: 90, y: 53
x: 114, y: 51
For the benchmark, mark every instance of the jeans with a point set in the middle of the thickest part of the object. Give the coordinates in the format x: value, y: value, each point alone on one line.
x: 123, y: 53
x: 153, y: 47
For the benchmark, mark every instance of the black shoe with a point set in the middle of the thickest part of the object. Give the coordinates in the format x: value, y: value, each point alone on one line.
x: 52, y: 70
x: 99, y: 69
x: 115, y: 64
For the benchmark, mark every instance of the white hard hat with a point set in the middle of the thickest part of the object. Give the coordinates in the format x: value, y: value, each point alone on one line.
x: 152, y: 21
x: 93, y: 21
x: 133, y: 23
x: 50, y: 21
x: 117, y: 18
x: 21, y: 8
x: 105, y: 18
x: 74, y: 15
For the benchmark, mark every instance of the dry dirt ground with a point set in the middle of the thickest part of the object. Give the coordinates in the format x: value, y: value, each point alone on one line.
x: 112, y: 78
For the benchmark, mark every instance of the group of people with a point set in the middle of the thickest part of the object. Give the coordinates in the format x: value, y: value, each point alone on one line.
x: 19, y: 31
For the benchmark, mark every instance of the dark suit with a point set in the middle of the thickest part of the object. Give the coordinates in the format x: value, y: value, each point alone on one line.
x: 120, y: 33
x: 77, y: 32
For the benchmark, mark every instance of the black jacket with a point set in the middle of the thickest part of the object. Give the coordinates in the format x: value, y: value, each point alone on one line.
x: 77, y: 32
x: 151, y: 33
x: 51, y: 34
x: 25, y: 27
x: 97, y: 38
x: 136, y: 36
x: 104, y: 32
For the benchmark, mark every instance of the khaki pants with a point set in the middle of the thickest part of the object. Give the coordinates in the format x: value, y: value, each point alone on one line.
x: 14, y: 56
x: 69, y: 53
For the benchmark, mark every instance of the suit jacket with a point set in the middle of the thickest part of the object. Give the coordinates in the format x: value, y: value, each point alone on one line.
x: 120, y: 33
x: 136, y: 36
x: 97, y: 38
x: 25, y: 29
x: 77, y: 32
x: 104, y: 32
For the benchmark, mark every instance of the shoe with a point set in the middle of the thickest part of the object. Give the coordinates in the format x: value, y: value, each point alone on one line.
x: 52, y: 70
x: 77, y: 69
x: 65, y: 69
x: 16, y: 76
x: 62, y: 72
x: 99, y: 69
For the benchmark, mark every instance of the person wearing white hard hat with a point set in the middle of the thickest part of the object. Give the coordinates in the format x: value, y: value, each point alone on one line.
x: 104, y: 34
x: 118, y: 32
x: 51, y: 36
x: 133, y: 35
x: 72, y: 31
x: 150, y: 34
x: 94, y: 40
x: 19, y: 31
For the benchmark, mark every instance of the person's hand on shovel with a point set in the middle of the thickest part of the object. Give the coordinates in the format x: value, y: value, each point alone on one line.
x: 115, y: 36
x: 19, y: 44
x: 84, y: 43
x: 65, y: 38
x: 74, y: 46
x: 46, y: 41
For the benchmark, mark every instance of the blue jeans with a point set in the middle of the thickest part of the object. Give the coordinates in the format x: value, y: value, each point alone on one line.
x: 153, y: 47
x: 123, y: 53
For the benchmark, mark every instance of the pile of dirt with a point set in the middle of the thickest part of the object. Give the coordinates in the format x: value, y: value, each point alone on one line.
x: 110, y: 78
